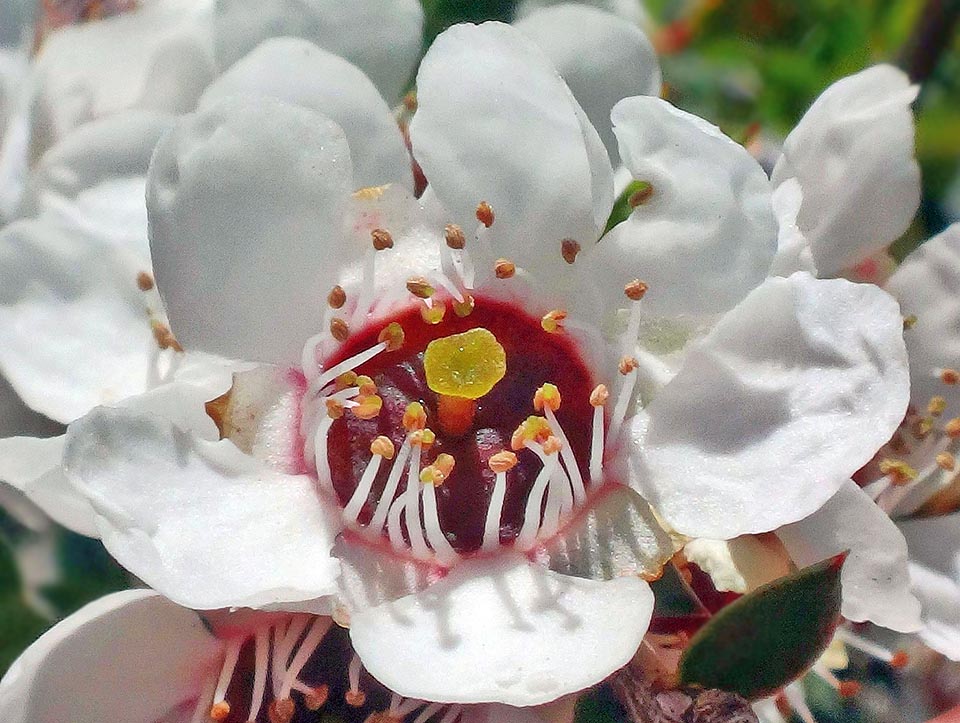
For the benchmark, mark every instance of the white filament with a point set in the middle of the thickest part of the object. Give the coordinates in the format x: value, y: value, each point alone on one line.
x: 438, y: 541
x: 491, y: 529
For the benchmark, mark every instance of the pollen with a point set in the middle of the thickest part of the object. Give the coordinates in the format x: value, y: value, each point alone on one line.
x: 365, y: 385
x: 369, y: 193
x: 337, y: 297
x: 145, y: 281
x: 420, y: 287
x: 438, y: 472
x: 393, y: 335
x: 599, y: 395
x: 552, y: 321
x: 345, y: 381
x: 635, y: 290
x: 641, y: 195
x: 936, y: 406
x: 464, y: 308
x: 952, y: 428
x: 414, y: 417
x: 220, y: 711
x: 548, y: 395
x: 552, y: 445
x: 569, y: 250
x: 433, y: 314
x: 367, y: 407
x: 465, y: 365
x: 900, y: 472
x: 164, y: 337
x: 381, y: 239
x: 454, y: 237
x: 502, y: 461
x: 383, y: 447
x: 423, y: 438
x: 334, y: 409
x: 950, y: 376
x: 485, y: 214
x: 339, y: 329
x: 532, y: 429
x: 946, y: 461
x: 627, y: 364
x: 504, y: 269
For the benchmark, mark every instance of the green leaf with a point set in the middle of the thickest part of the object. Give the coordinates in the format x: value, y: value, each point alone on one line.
x: 622, y: 208
x: 769, y: 637
x: 19, y: 625
x: 599, y: 705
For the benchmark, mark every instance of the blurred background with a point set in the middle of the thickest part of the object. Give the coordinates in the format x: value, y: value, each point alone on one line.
x: 750, y: 66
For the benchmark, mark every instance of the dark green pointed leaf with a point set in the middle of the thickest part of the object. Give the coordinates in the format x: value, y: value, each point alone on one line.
x: 769, y: 637
x: 622, y: 207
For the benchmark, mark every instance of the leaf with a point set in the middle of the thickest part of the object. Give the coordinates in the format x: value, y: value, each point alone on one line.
x: 19, y: 625
x: 769, y: 637
x: 599, y: 705
x: 622, y: 207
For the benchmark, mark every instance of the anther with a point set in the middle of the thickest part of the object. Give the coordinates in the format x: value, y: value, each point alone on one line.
x: 946, y: 461
x: 337, y: 297
x: 281, y: 711
x: 552, y: 321
x: 950, y: 376
x: 381, y: 239
x: 317, y: 698
x: 552, y: 445
x: 909, y: 322
x: 367, y: 406
x: 433, y: 314
x: 355, y: 698
x: 431, y: 475
x: 849, y: 688
x: 485, y: 214
x: 365, y: 385
x: 547, y: 395
x: 420, y: 287
x: 641, y: 195
x: 454, y: 237
x: 569, y: 250
x: 414, y: 417
x: 145, y: 281
x: 345, y: 381
x: 383, y: 447
x: 899, y: 660
x: 599, y: 395
x: 392, y: 335
x: 922, y: 427
x: 504, y: 269
x: 164, y: 337
x: 900, y: 472
x: 423, y: 438
x: 952, y: 428
x: 635, y: 290
x: 339, y: 329
x: 936, y: 406
x: 627, y: 364
x: 502, y: 462
x: 532, y: 429
x: 464, y: 308
x: 334, y: 408
x: 220, y: 711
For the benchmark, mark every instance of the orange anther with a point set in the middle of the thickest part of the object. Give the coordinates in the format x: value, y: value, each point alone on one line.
x: 334, y: 409
x: 485, y: 214
x: 504, y: 269
x: 355, y: 698
x: 339, y: 329
x: 393, y: 334
x: 849, y: 688
x: 552, y: 445
x: 420, y: 287
x: 599, y: 395
x: 627, y: 364
x: 464, y: 308
x: 946, y: 461
x: 317, y: 698
x: 502, y: 461
x: 569, y: 250
x: 899, y: 659
x: 414, y: 417
x: 337, y: 297
x: 381, y: 239
x: 368, y: 406
x: 219, y: 711
x: 454, y: 237
x: 552, y: 321
x: 383, y: 447
x: 548, y: 395
x: 635, y: 290
x: 144, y: 281
x: 950, y: 376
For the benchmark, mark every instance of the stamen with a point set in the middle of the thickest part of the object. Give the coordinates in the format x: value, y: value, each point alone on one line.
x: 381, y: 239
x: 464, y: 308
x: 392, y: 335
x: 318, y: 631
x: 485, y: 214
x: 383, y: 506
x: 283, y: 647
x: 420, y: 287
x: 952, y: 428
x: 547, y: 399
x: 262, y: 656
x: 220, y: 708
x: 900, y: 472
x: 628, y: 369
x: 598, y: 398
x: 163, y: 336
x: 339, y: 329
x: 531, y: 429
x: 794, y: 695
x: 355, y: 697
x: 559, y: 500
x: 315, y: 698
x: 452, y: 714
x: 281, y: 710
x: 347, y: 365
x: 909, y: 322
x: 453, y: 235
x: 367, y: 406
x: 201, y: 713
x: 433, y: 314
x: 500, y: 463
x: 145, y: 281
x: 412, y: 503
x: 946, y: 461
x: 531, y: 516
x: 896, y: 659
x: 380, y: 448
x: 936, y: 406
x: 439, y: 471
x: 552, y: 321
x: 569, y: 250
x: 504, y: 269
x: 337, y: 297
x: 641, y: 195
x: 950, y: 376
x: 428, y: 712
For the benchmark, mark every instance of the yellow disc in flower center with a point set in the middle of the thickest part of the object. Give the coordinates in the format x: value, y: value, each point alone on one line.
x: 466, y: 365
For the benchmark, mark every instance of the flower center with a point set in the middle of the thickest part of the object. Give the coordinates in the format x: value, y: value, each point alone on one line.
x: 456, y: 405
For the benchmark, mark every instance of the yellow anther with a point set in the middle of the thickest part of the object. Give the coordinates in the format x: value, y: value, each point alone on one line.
x: 898, y: 445
x: 339, y: 329
x: 552, y: 321
x: 370, y: 193
x: 145, y: 281
x: 952, y: 428
x: 383, y: 447
x: 410, y: 101
x: 504, y: 269
x: 465, y: 365
x: 922, y: 427
x: 366, y: 385
x: 420, y: 287
x: 430, y: 475
x: 393, y: 334
x: 936, y: 406
x: 445, y: 463
x: 627, y: 364
x: 502, y: 461
x: 464, y: 308
x: 531, y: 429
x: 552, y: 445
x: 569, y: 250
x: 367, y: 407
x: 485, y: 214
x: 635, y: 290
x: 950, y: 376
x: 641, y: 195
x: 381, y: 239
x: 317, y: 697
x: 163, y: 336
x: 423, y: 438
x: 599, y: 395
x: 414, y: 417
x: 909, y: 321
x: 899, y: 471
x: 345, y: 381
x: 334, y: 409
x: 454, y: 237
x: 219, y: 711
x: 946, y: 461
x: 433, y: 314
x: 337, y: 297
x: 548, y: 395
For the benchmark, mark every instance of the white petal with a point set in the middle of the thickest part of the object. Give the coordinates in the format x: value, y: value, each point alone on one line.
x: 74, y: 328
x: 603, y: 58
x: 496, y: 123
x: 201, y: 522
x: 853, y: 155
x: 940, y: 597
x: 246, y: 199
x: 502, y: 630
x: 926, y: 285
x: 934, y: 542
x: 790, y: 394
x: 381, y: 37
x: 875, y: 579
x: 708, y: 233
x: 17, y: 419
x: 793, y: 249
x: 91, y: 668
x: 300, y: 73
x: 157, y: 56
